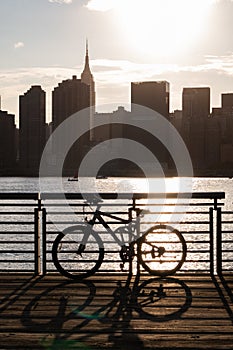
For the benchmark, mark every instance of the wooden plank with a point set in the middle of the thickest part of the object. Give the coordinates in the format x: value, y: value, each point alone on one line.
x: 180, y: 312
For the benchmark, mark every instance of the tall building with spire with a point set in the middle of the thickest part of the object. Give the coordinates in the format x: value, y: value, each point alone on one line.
x: 73, y: 95
x: 87, y: 78
x: 69, y: 97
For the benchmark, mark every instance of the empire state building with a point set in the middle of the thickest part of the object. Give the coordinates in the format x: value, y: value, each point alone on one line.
x: 87, y: 78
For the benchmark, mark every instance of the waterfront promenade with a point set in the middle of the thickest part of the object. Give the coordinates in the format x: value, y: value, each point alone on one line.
x: 40, y: 309
x: 179, y: 312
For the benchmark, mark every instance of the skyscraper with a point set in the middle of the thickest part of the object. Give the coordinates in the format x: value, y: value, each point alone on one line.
x: 155, y: 96
x: 227, y: 102
x: 69, y: 97
x: 7, y: 143
x: 32, y: 129
x: 196, y: 109
x: 196, y: 102
x: 73, y: 95
x: 87, y: 78
x: 152, y: 94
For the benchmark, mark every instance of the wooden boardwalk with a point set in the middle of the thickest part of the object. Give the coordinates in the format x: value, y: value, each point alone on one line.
x: 111, y: 312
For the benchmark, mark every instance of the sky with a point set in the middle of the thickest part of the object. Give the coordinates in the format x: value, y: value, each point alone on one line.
x: 186, y: 42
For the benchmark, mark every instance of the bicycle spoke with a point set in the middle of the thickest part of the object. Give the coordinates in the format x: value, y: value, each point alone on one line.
x: 74, y: 259
x: 162, y: 250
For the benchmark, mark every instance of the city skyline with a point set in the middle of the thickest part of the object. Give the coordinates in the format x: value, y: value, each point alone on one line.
x: 197, y: 124
x: 44, y: 56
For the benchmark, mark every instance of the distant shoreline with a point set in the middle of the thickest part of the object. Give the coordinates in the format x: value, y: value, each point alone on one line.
x: 128, y: 176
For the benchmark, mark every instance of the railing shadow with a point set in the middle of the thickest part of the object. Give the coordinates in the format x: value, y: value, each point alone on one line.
x: 20, y: 289
x: 225, y: 285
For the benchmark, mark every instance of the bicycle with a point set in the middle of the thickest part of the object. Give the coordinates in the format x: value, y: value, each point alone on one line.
x: 78, y: 251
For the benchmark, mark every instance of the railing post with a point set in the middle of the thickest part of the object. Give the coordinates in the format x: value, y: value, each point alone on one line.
x: 211, y: 226
x: 44, y: 245
x: 219, y: 241
x: 37, y: 240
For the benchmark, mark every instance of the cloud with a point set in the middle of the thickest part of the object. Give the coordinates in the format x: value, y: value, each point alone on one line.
x: 62, y: 1
x: 123, y: 72
x: 223, y: 63
x: 105, y: 5
x: 101, y: 5
x: 18, y: 45
x: 120, y: 71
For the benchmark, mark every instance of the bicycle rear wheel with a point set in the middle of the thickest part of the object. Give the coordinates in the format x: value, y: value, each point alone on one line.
x: 162, y: 250
x: 72, y: 262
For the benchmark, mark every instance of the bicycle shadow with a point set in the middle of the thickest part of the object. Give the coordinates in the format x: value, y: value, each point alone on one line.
x: 57, y: 304
x: 85, y: 310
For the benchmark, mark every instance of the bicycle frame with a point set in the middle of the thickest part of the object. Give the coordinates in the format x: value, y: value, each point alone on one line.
x: 99, y: 215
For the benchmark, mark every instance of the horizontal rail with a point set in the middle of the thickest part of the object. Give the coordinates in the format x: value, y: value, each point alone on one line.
x: 195, y: 195
x: 13, y: 195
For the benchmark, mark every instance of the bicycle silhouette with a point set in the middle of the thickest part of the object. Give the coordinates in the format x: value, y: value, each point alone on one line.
x: 78, y: 251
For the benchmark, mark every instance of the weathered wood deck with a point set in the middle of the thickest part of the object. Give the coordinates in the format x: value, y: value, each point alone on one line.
x: 51, y: 312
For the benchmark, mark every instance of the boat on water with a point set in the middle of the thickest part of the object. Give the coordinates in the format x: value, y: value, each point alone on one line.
x: 101, y: 177
x: 73, y: 179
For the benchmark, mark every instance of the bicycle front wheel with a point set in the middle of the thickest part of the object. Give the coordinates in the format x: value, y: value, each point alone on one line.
x: 162, y: 250
x: 73, y: 259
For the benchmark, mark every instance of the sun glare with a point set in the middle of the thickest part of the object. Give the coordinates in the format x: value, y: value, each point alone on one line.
x: 162, y: 27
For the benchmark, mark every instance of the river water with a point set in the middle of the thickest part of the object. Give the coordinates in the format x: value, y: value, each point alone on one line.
x: 29, y: 184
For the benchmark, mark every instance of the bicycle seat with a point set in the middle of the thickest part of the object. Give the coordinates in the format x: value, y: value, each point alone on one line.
x: 93, y: 199
x: 141, y: 212
x: 145, y: 211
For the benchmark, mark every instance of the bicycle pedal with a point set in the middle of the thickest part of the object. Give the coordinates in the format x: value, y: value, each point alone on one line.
x: 122, y: 267
x: 81, y: 249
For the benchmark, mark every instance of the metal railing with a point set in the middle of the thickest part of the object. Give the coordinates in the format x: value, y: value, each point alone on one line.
x: 19, y: 232
x: 29, y: 224
x: 224, y: 241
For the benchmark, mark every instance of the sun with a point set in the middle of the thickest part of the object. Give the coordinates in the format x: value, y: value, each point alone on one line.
x: 162, y: 27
